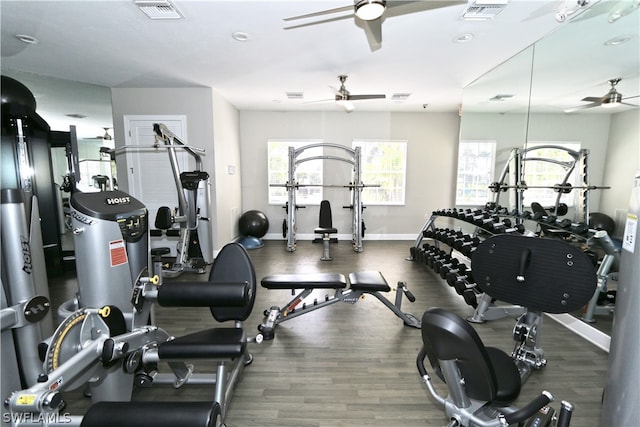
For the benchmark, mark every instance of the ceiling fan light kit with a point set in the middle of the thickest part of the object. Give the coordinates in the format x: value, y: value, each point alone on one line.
x: 368, y: 10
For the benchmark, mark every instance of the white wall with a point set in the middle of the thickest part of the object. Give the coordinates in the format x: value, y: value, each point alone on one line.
x: 621, y: 163
x: 227, y: 178
x: 431, y: 151
x: 208, y: 116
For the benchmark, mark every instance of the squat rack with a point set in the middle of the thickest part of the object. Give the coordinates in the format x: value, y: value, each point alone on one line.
x: 514, y: 166
x: 355, y: 187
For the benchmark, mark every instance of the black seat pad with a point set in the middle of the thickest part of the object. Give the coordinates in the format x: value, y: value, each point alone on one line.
x: 157, y: 414
x: 507, y: 375
x: 559, y: 277
x: 219, y: 343
x: 321, y: 230
x: 305, y: 281
x: 371, y: 281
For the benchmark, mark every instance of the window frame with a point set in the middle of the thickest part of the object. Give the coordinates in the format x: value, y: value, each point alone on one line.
x: 478, y: 181
x: 401, y: 187
x: 313, y: 170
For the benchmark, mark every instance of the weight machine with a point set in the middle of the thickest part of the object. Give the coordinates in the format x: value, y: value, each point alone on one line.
x: 356, y: 187
x: 194, y: 248
x: 512, y: 178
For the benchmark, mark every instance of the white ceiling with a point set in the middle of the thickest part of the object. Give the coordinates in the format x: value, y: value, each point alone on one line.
x: 113, y: 44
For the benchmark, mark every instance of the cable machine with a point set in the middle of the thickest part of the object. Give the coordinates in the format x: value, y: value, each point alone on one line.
x: 194, y: 248
x: 356, y: 187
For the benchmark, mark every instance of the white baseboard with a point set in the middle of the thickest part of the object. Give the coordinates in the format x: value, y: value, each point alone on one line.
x: 586, y: 331
x: 347, y: 237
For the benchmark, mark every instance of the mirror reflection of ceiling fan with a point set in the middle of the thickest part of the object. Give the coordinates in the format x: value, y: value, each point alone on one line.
x: 369, y: 14
x: 610, y: 99
x: 106, y: 137
x: 343, y: 97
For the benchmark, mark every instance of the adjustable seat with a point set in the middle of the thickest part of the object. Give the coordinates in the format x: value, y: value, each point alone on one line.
x: 163, y: 226
x: 482, y: 381
x: 325, y: 227
x: 232, y: 272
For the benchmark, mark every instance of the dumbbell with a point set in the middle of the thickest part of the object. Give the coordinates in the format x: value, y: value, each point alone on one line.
x: 431, y: 259
x: 565, y: 223
x: 451, y: 238
x: 445, y: 263
x: 429, y: 234
x: 469, y: 214
x: 454, y: 267
x: 463, y: 275
x: 467, y: 248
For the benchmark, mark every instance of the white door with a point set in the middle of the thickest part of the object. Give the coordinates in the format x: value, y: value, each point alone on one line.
x: 149, y: 175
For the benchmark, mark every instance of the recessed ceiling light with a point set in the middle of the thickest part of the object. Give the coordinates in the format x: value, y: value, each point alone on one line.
x: 240, y: 36
x: 24, y: 38
x: 463, y: 38
x: 295, y: 95
x: 617, y: 40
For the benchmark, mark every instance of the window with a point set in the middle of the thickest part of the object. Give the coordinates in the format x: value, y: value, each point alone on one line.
x: 476, y: 161
x: 542, y: 169
x: 307, y: 173
x: 384, y: 163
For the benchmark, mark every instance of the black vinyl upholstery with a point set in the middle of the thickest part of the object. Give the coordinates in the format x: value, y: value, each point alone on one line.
x: 151, y: 414
x: 234, y: 265
x: 370, y: 281
x: 556, y: 277
x: 305, y: 281
x: 325, y: 221
x: 163, y: 218
x: 490, y: 375
x: 217, y: 343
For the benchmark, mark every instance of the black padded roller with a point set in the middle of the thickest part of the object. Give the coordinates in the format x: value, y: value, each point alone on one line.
x: 203, y: 294
x: 151, y: 414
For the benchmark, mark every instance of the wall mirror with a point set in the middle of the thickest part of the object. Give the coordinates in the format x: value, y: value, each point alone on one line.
x: 552, y: 91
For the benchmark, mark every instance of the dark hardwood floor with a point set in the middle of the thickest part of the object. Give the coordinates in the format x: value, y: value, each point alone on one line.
x: 354, y: 365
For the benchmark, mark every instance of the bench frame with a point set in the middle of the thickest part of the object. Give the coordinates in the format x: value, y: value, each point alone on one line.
x: 350, y: 295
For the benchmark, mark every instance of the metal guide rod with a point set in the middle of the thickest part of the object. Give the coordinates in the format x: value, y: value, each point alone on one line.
x: 288, y: 185
x: 356, y: 188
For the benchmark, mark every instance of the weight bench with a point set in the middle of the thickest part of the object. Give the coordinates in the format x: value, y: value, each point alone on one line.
x: 325, y: 227
x: 358, y: 284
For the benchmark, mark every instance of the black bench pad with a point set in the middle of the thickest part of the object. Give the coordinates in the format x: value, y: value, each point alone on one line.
x: 305, y: 281
x: 219, y: 343
x: 157, y: 414
x: 371, y: 281
x: 320, y: 230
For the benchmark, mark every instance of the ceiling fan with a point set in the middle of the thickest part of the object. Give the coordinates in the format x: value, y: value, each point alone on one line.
x: 343, y: 97
x: 106, y: 137
x: 369, y: 14
x: 611, y: 99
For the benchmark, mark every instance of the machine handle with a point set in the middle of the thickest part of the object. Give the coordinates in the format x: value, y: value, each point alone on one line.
x: 566, y: 410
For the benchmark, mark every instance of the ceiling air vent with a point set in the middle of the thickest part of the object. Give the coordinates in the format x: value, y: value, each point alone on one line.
x: 295, y: 95
x: 484, y: 9
x: 158, y: 9
x: 400, y: 97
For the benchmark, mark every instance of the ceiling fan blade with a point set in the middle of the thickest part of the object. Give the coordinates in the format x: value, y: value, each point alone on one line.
x: 397, y: 8
x: 630, y: 105
x: 630, y: 97
x: 323, y: 21
x: 581, y: 107
x: 322, y: 12
x: 359, y: 97
x: 373, y: 30
x: 596, y: 99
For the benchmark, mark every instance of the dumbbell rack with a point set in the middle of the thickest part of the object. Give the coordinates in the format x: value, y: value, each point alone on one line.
x: 466, y: 229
